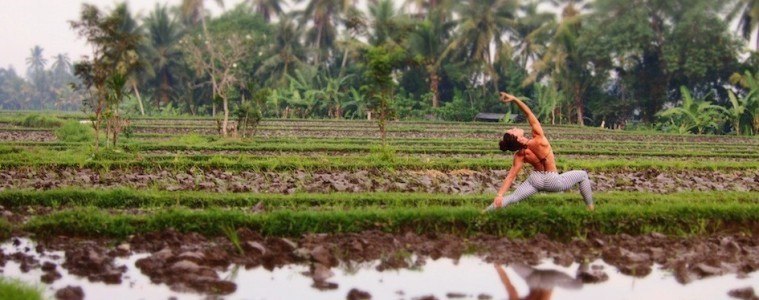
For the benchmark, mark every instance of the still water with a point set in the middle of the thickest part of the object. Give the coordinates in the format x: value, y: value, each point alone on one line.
x: 467, y: 278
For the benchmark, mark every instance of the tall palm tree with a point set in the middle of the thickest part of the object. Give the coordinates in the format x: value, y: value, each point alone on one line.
x: 163, y: 54
x: 266, y: 8
x: 429, y: 45
x: 482, y: 24
x: 747, y: 13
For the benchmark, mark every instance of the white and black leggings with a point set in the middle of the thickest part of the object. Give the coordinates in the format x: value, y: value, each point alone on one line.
x: 551, y: 182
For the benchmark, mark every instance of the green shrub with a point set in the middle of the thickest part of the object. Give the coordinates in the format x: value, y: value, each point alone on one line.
x: 40, y: 121
x: 74, y: 132
x: 457, y: 110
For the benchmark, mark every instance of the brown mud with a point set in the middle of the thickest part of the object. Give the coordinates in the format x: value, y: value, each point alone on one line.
x: 429, y: 181
x: 189, y: 262
x: 423, y: 156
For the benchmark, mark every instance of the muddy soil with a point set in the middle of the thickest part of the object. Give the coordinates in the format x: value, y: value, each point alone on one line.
x: 190, y: 262
x: 429, y: 181
x: 26, y: 136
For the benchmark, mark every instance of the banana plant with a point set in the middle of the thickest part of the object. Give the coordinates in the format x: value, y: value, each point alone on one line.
x: 738, y: 109
x: 547, y: 99
x: 694, y: 114
x: 358, y: 106
x: 750, y: 82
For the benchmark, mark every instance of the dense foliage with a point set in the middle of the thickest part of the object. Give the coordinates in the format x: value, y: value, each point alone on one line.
x: 614, y: 63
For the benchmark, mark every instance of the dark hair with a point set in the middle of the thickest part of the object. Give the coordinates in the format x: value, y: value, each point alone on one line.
x: 509, y: 142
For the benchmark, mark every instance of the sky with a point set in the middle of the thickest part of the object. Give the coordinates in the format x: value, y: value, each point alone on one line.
x: 26, y: 23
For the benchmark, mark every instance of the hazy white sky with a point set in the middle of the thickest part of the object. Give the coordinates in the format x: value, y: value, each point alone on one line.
x: 26, y: 23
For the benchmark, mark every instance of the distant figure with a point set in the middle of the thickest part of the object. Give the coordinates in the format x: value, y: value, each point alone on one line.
x: 537, y: 152
x: 541, y: 282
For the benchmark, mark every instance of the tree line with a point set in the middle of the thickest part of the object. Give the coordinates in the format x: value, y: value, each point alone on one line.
x: 677, y: 65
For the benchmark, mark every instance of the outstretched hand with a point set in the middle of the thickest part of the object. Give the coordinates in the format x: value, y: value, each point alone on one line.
x: 497, y: 202
x: 506, y: 97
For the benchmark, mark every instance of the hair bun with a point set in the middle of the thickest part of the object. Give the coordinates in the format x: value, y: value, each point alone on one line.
x: 502, y: 145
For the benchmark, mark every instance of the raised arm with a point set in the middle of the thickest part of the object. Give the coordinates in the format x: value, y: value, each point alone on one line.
x: 534, y: 123
x: 513, y: 295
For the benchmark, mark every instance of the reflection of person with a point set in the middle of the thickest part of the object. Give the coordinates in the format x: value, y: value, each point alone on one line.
x: 540, y: 282
x: 537, y: 152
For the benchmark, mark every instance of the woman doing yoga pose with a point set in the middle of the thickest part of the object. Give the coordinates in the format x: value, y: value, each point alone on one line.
x: 537, y: 152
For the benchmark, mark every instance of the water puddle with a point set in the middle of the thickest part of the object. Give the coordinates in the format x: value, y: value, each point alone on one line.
x: 466, y: 278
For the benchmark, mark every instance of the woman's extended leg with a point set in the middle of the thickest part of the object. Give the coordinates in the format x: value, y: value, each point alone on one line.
x: 524, y: 190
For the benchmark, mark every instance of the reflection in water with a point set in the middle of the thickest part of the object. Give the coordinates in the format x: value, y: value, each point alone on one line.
x: 541, y: 282
x: 468, y: 277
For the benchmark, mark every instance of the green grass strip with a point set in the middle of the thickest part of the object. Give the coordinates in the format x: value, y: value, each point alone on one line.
x: 130, y: 198
x: 377, y: 160
x: 524, y: 221
x: 18, y: 290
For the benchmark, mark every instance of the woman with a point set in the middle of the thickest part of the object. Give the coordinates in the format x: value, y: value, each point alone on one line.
x: 537, y: 152
x: 540, y: 282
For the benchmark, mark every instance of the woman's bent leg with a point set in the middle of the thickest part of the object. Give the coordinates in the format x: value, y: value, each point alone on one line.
x: 569, y: 179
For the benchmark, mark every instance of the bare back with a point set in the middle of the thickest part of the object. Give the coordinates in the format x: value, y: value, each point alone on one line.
x: 539, y: 154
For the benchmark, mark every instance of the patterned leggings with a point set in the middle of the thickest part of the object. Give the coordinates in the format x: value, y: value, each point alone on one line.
x: 551, y: 182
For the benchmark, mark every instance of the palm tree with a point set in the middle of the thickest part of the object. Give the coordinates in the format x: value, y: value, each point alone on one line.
x: 429, y: 45
x: 564, y: 60
x: 747, y: 13
x: 36, y: 61
x: 424, y: 7
x: 482, y: 24
x: 162, y: 53
x: 324, y: 15
x: 133, y: 63
x: 36, y: 73
x: 194, y: 12
x: 387, y: 24
x: 355, y: 24
x: 286, y: 54
x: 531, y: 33
x: 61, y: 64
x: 61, y: 77
x: 266, y: 8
